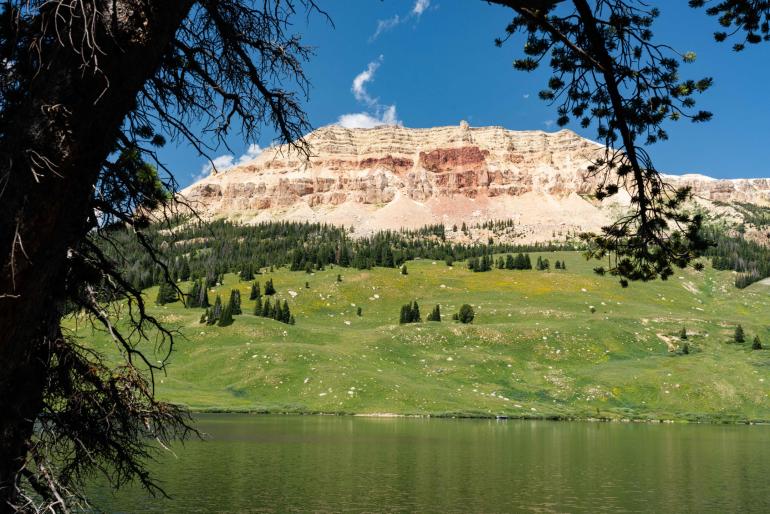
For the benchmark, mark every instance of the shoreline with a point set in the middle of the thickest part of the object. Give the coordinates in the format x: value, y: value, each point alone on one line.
x: 473, y: 415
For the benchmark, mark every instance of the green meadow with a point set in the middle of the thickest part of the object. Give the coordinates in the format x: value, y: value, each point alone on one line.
x: 556, y: 344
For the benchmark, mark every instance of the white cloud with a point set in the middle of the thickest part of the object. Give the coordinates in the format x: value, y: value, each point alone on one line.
x: 420, y: 6
x: 252, y: 152
x: 549, y: 123
x: 223, y: 162
x: 359, y: 83
x: 525, y: 95
x: 385, y: 116
x: 385, y: 25
x: 378, y: 114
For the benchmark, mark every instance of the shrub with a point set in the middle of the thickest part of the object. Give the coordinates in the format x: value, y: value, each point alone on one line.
x: 739, y: 336
x: 466, y: 314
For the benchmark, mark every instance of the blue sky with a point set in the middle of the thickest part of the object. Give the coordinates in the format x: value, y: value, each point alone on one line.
x: 426, y: 63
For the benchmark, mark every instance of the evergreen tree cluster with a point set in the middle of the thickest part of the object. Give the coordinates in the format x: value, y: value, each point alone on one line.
x: 435, y: 314
x: 732, y: 251
x: 542, y: 264
x: 274, y: 310
x: 197, y: 251
x: 167, y: 293
x: 197, y: 296
x: 410, y: 313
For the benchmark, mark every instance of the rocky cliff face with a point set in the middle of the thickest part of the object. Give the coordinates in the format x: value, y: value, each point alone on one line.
x: 393, y: 177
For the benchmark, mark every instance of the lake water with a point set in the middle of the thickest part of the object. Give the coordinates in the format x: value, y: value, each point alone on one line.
x: 347, y: 464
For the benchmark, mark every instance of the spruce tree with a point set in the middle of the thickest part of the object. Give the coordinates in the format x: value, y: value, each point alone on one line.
x: 269, y: 288
x: 285, y: 312
x: 247, y: 273
x: 509, y: 262
x: 527, y: 262
x: 204, y: 298
x: 266, y: 308
x: 193, y: 296
x: 739, y: 336
x: 226, y: 318
x: 184, y: 270
x: 405, y: 314
x: 415, y: 313
x: 359, y: 312
x: 216, y: 311
x: 339, y: 278
x: 258, y: 306
x: 683, y: 333
x: 235, y: 302
x: 253, y: 292
x: 307, y: 285
x: 404, y: 271
x: 292, y: 321
x: 756, y: 344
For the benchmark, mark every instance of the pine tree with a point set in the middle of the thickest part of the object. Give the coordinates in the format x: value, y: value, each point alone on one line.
x: 204, y: 298
x: 269, y: 288
x: 216, y: 311
x: 359, y: 311
x: 285, y: 312
x: 267, y: 309
x: 415, y: 315
x: 756, y: 344
x: 339, y: 278
x: 404, y: 271
x: 292, y: 321
x: 739, y: 336
x: 258, y: 306
x: 683, y: 334
x: 235, y: 302
x: 254, y: 292
x: 226, y: 318
x: 307, y: 285
x: 435, y: 314
x: 247, y: 273
x: 509, y: 262
x: 449, y: 260
x: 563, y: 265
x: 686, y: 349
x: 557, y: 265
x: 193, y: 296
x: 184, y: 270
x: 527, y: 262
x: 166, y: 293
x: 406, y: 313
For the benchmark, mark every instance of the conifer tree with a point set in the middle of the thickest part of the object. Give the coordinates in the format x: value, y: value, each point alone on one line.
x: 756, y: 344
x: 307, y: 285
x: 415, y: 313
x: 166, y: 294
x: 192, y: 298
x: 563, y: 265
x: 339, y: 278
x: 292, y: 321
x: 359, y: 311
x: 406, y: 313
x: 253, y: 293
x: 184, y: 270
x: 285, y: 312
x: 527, y: 262
x: 204, y: 297
x: 739, y: 336
x: 216, y: 311
x: 226, y: 317
x: 404, y: 271
x: 509, y: 262
x: 235, y: 302
x: 247, y: 273
x: 466, y: 314
x: 435, y: 314
x: 269, y: 288
x: 267, y: 309
x: 683, y: 333
x: 258, y: 306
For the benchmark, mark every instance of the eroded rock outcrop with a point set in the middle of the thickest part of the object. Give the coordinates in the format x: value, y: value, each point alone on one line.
x: 391, y: 177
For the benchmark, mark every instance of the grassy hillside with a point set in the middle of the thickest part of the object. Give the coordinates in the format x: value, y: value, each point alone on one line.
x: 535, y: 348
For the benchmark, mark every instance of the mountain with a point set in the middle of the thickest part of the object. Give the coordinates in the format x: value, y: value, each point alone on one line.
x: 394, y: 177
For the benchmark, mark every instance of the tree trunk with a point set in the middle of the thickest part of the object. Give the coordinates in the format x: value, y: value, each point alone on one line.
x: 71, y: 120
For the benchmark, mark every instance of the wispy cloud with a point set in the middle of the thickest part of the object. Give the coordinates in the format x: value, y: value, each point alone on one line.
x: 526, y: 96
x: 223, y: 162
x: 549, y: 123
x: 420, y: 6
x: 379, y: 114
x: 359, y: 83
x: 385, y: 25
